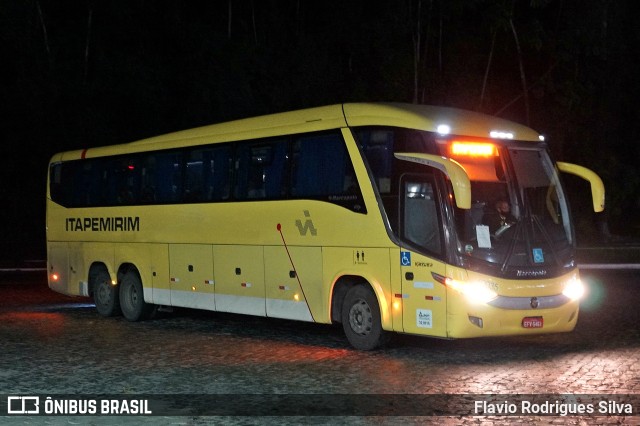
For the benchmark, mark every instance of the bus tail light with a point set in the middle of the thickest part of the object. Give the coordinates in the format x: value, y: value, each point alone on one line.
x: 574, y: 289
x: 473, y: 291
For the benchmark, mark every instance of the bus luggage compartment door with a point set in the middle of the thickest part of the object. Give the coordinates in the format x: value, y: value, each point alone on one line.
x: 240, y: 279
x: 191, y: 276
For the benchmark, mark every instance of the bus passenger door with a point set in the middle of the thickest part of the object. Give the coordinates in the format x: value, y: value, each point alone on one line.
x: 191, y: 276
x: 423, y: 298
x: 240, y: 279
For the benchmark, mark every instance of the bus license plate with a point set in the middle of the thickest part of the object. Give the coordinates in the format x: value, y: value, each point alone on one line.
x: 532, y: 322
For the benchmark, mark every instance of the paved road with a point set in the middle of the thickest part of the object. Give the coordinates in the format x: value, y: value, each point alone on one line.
x: 56, y: 345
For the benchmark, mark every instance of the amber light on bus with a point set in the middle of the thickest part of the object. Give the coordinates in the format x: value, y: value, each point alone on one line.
x: 473, y: 149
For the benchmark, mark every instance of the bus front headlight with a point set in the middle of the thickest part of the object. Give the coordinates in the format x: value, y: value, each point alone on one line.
x: 474, y: 291
x: 478, y: 292
x: 574, y: 289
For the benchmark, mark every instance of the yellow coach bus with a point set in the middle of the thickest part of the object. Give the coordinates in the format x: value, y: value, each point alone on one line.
x: 383, y: 217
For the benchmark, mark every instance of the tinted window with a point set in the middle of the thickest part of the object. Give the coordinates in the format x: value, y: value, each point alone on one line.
x: 314, y: 166
x: 261, y: 169
x: 322, y: 169
x: 207, y: 175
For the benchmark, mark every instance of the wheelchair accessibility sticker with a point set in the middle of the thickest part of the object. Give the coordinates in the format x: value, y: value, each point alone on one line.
x: 405, y: 258
x: 538, y: 255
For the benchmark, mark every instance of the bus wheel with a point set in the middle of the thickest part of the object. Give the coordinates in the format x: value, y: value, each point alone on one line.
x: 361, y: 318
x: 105, y: 295
x: 132, y: 303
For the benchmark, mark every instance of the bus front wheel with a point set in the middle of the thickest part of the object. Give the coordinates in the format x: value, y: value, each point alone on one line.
x: 361, y: 318
x: 132, y: 303
x: 105, y: 295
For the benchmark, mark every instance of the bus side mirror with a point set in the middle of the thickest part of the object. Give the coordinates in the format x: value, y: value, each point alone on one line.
x: 597, y: 187
x: 453, y: 169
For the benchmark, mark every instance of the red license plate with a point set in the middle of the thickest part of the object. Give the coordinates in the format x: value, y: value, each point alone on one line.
x: 532, y: 322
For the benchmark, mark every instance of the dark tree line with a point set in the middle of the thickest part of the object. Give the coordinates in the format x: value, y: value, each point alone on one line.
x: 95, y: 72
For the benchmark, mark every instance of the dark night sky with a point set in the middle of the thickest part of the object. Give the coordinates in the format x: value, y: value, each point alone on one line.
x: 89, y: 72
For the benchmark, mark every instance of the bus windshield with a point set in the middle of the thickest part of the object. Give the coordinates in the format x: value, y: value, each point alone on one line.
x: 519, y: 216
x: 518, y: 224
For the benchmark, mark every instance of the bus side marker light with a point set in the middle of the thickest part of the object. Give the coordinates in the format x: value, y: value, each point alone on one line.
x: 55, y: 277
x: 245, y: 285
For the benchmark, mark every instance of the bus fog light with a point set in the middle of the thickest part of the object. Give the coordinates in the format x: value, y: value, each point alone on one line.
x: 574, y: 289
x: 477, y: 321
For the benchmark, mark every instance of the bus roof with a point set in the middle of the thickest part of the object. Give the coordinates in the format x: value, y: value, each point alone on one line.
x: 427, y: 117
x: 421, y: 117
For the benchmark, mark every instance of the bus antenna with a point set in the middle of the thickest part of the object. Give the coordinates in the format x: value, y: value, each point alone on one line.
x: 279, y: 227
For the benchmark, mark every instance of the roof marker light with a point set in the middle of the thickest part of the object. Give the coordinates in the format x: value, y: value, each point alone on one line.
x: 473, y: 149
x: 499, y: 134
x: 443, y: 129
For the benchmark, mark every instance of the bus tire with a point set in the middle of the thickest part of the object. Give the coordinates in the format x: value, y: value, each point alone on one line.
x: 132, y: 303
x: 105, y: 295
x: 361, y: 318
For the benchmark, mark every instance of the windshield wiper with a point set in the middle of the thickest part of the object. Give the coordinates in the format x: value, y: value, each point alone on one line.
x: 512, y: 244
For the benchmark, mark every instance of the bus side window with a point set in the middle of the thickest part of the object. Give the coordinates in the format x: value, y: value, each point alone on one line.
x: 130, y: 185
x: 420, y: 216
x: 162, y: 179
x: 377, y: 145
x: 261, y: 170
x: 86, y: 183
x: 207, y: 174
x: 110, y: 178
x: 218, y: 180
x: 56, y: 189
x: 322, y: 167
